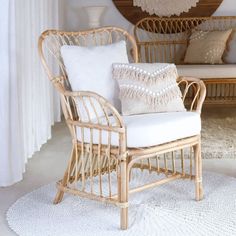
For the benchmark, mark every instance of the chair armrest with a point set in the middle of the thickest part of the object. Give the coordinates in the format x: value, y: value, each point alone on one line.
x: 91, y: 110
x: 108, y: 123
x: 193, y: 91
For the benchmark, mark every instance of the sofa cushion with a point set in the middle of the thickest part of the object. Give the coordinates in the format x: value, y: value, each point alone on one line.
x: 229, y: 56
x: 90, y: 68
x: 148, y: 88
x: 151, y: 129
x: 206, y: 47
x: 207, y: 71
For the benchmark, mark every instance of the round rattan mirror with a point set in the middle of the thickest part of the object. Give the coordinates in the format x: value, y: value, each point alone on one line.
x: 134, y: 14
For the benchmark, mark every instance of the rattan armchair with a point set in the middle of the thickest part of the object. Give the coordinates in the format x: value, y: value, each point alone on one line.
x: 92, y: 161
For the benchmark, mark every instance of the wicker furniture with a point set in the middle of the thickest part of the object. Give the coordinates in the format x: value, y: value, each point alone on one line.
x: 92, y: 158
x: 166, y: 40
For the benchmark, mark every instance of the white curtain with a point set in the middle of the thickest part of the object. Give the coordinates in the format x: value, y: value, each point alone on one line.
x: 28, y: 104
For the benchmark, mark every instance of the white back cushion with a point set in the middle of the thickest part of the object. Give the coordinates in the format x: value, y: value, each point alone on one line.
x: 90, y: 68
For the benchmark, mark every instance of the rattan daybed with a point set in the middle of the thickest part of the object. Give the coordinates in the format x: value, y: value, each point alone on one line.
x: 166, y: 40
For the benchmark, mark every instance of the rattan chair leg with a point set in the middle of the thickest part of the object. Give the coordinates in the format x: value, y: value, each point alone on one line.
x: 123, y: 195
x: 59, y: 197
x: 60, y: 193
x: 198, y: 171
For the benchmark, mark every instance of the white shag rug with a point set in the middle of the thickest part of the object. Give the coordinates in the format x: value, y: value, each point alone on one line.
x: 164, y: 211
x: 219, y: 137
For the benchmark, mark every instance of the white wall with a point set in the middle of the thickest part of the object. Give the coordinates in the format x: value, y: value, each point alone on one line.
x: 75, y: 17
x: 227, y: 8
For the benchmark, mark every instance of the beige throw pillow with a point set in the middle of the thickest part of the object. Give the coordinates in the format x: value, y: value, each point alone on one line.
x: 148, y: 88
x: 207, y: 47
x: 229, y: 56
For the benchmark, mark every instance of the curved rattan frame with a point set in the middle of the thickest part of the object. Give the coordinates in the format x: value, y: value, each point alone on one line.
x: 91, y: 161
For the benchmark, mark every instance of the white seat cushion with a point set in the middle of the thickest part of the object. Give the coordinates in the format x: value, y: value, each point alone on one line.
x: 207, y: 71
x: 152, y: 129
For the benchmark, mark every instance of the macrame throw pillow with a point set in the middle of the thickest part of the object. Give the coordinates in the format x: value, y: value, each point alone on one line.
x: 148, y: 88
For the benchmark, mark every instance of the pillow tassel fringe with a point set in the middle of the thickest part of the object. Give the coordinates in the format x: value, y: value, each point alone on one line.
x: 153, y: 101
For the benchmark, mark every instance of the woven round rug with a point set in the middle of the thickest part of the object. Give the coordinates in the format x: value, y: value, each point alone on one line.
x: 219, y: 136
x: 166, y: 210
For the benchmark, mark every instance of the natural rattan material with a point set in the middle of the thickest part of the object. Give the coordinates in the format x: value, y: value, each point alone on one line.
x: 89, y: 160
x: 166, y: 40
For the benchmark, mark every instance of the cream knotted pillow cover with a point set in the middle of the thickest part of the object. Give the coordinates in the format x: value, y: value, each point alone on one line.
x: 148, y: 88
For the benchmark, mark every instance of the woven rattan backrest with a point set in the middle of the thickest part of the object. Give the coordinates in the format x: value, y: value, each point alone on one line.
x: 51, y: 41
x: 166, y: 39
